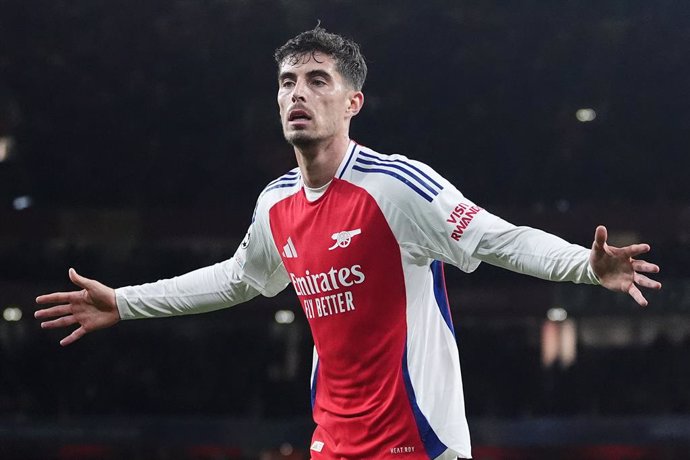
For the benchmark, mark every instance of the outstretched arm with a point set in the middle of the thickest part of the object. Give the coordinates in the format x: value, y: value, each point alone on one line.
x: 92, y: 308
x: 537, y: 253
x: 97, y: 306
x: 617, y: 268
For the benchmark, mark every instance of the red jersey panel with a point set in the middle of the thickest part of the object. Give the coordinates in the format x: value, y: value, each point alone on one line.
x: 345, y: 265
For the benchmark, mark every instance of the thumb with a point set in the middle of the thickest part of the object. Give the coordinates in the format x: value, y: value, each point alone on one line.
x: 600, y: 236
x: 78, y: 279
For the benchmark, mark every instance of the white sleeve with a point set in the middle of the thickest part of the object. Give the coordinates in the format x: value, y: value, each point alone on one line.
x: 534, y: 252
x: 203, y: 290
x: 444, y: 226
x: 453, y: 226
x: 449, y: 227
x: 258, y: 259
x: 256, y: 268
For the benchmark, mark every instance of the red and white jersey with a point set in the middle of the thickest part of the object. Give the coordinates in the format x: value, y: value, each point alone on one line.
x: 366, y: 261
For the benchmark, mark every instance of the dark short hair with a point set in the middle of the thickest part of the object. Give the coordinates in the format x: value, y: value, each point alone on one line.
x: 349, y: 60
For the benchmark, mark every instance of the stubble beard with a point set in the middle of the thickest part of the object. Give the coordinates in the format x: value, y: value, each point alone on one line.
x: 301, y: 139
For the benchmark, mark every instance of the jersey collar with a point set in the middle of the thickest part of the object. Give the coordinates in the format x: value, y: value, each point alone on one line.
x: 348, y: 160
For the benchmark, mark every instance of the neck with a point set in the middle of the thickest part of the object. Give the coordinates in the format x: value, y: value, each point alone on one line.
x: 318, y: 163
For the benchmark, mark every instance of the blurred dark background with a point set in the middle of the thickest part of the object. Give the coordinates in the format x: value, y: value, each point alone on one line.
x: 136, y: 136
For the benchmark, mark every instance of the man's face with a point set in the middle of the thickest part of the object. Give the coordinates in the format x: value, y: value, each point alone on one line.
x: 315, y: 101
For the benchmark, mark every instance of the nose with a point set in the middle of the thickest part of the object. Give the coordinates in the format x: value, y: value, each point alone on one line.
x: 298, y: 92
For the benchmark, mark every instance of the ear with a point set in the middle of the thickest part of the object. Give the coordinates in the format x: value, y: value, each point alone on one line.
x: 356, y: 101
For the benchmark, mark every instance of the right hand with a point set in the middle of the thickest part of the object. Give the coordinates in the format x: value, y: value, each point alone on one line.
x: 93, y: 308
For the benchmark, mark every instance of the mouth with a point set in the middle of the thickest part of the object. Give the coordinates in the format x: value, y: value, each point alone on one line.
x: 298, y: 115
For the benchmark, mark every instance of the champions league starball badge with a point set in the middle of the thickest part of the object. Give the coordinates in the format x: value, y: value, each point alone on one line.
x: 245, y: 241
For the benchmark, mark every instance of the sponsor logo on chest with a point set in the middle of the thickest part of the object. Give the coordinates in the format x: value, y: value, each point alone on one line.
x: 326, y: 294
x: 331, y: 291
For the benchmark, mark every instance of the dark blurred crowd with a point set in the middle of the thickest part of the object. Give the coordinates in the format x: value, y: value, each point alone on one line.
x: 174, y: 101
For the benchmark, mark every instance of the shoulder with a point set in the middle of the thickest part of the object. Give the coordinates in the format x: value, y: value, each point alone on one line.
x: 277, y: 190
x: 289, y: 180
x: 393, y: 175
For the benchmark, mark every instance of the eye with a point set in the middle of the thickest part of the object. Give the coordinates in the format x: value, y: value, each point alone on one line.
x: 287, y: 84
x: 319, y: 82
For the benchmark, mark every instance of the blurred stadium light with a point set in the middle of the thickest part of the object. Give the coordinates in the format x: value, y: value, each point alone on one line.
x: 585, y: 115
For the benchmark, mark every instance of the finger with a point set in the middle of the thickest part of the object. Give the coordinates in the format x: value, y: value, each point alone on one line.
x: 643, y: 281
x: 56, y: 297
x: 600, y: 236
x: 60, y: 322
x: 637, y: 295
x: 59, y: 310
x: 79, y: 280
x: 73, y: 337
x: 636, y: 249
x: 644, y: 266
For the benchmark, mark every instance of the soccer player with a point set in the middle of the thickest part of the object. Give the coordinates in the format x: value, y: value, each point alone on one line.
x: 362, y: 237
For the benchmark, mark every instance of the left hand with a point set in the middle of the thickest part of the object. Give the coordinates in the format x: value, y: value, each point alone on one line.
x: 617, y: 268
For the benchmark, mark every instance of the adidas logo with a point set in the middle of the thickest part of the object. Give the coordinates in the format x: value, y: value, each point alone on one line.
x: 289, y: 251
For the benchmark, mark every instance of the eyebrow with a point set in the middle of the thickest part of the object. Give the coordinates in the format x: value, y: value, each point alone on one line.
x: 311, y: 74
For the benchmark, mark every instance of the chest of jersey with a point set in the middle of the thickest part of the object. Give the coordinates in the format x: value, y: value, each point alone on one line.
x: 344, y: 264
